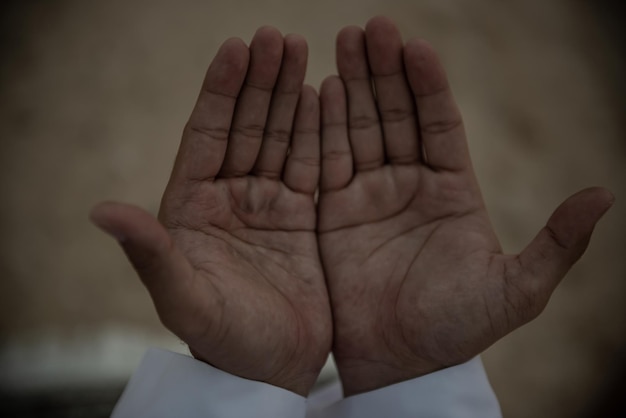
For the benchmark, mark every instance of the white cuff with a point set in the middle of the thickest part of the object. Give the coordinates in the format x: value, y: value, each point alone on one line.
x: 461, y: 391
x: 170, y: 385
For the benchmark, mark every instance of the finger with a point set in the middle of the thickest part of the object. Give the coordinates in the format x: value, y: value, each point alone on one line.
x: 393, y: 94
x: 563, y: 240
x: 366, y: 137
x: 280, y: 120
x: 337, y: 168
x: 266, y: 50
x: 205, y: 136
x: 302, y: 169
x: 163, y: 269
x: 440, y: 125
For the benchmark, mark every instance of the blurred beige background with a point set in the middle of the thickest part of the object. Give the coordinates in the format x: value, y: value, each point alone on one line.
x: 93, y: 97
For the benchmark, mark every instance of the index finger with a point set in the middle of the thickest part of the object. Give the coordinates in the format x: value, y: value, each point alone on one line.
x: 205, y: 136
x: 440, y: 124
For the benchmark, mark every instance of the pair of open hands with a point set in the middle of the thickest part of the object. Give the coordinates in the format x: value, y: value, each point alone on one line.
x: 294, y: 224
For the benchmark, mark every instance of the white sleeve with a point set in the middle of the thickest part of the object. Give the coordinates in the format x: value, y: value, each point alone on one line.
x: 461, y: 391
x: 170, y: 385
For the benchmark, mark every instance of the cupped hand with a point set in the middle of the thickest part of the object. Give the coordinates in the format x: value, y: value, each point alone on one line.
x: 417, y: 278
x: 233, y: 265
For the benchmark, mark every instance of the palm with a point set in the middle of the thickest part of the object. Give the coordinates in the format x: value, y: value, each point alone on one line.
x: 415, y: 273
x: 419, y: 235
x: 250, y: 242
x: 410, y: 248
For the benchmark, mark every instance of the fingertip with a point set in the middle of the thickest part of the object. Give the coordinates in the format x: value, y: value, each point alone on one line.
x: 307, y: 114
x: 425, y: 72
x: 269, y: 31
x: 349, y: 32
x: 420, y: 54
x: 380, y: 24
x: 596, y: 199
x: 295, y: 40
x: 309, y: 100
x: 98, y: 211
x: 102, y: 215
x: 266, y: 55
x: 350, y: 41
x: 228, y: 68
x: 308, y: 111
x: 611, y: 197
x: 573, y: 222
x: 310, y: 87
x: 332, y: 99
x: 296, y: 52
x: 592, y: 202
x: 604, y: 194
x: 384, y: 47
x: 235, y: 51
x: 326, y: 80
x: 269, y: 39
x: 380, y: 20
x: 330, y: 85
x: 234, y: 42
x: 129, y: 223
x: 602, y: 198
x: 418, y: 43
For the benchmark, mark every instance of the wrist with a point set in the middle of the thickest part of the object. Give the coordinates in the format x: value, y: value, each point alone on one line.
x: 359, y: 376
x: 300, y: 384
x: 288, y: 378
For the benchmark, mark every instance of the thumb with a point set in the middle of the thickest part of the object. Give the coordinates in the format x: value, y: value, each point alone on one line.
x: 163, y: 269
x: 564, y: 239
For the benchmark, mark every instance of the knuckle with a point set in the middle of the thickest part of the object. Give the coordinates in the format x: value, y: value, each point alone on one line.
x: 272, y: 175
x: 362, y: 122
x: 441, y: 126
x: 281, y: 136
x: 306, y: 131
x: 213, y: 132
x: 369, y: 164
x: 336, y: 155
x: 251, y: 131
x: 396, y: 114
x: 307, y: 161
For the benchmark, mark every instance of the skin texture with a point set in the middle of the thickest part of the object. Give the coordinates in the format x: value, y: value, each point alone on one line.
x: 410, y: 265
x: 416, y: 275
x: 233, y: 265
